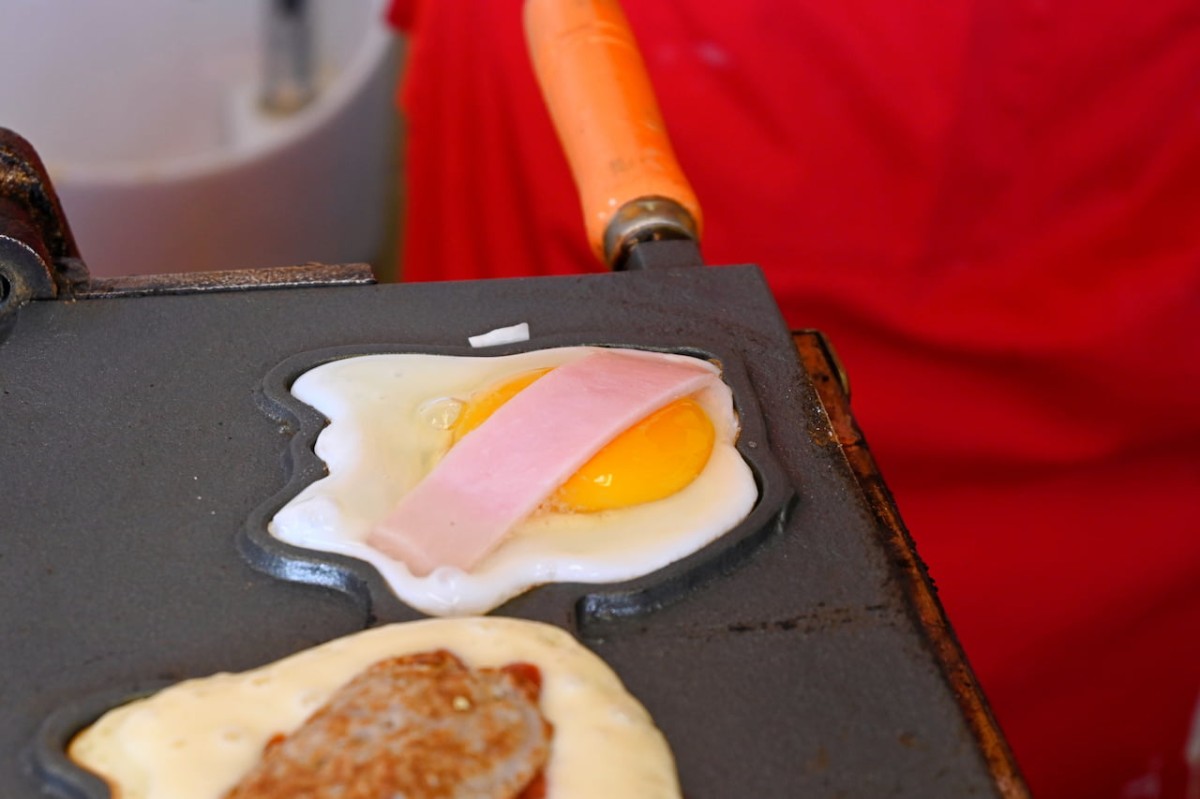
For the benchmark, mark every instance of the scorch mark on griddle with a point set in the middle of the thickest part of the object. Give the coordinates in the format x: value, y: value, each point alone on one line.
x: 822, y: 618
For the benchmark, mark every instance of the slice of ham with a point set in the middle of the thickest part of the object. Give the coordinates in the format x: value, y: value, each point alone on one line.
x: 500, y: 472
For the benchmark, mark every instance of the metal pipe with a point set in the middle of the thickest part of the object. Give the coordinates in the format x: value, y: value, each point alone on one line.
x: 287, y: 57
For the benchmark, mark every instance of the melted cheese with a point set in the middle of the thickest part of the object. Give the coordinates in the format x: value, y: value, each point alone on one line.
x: 195, y: 740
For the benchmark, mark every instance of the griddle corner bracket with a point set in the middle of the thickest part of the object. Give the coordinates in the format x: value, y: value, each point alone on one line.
x: 38, y: 256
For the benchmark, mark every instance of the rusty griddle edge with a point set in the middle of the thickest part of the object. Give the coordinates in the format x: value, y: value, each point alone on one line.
x: 917, y: 587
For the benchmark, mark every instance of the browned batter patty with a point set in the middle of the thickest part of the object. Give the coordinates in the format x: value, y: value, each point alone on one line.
x: 422, y: 727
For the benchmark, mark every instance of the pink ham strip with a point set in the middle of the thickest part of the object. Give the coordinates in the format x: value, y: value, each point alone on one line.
x: 500, y: 472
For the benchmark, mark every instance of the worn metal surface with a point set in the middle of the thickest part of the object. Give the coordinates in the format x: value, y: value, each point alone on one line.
x: 300, y: 276
x: 37, y: 251
x: 133, y: 450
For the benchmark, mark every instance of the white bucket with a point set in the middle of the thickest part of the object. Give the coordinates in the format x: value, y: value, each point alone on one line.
x: 146, y: 115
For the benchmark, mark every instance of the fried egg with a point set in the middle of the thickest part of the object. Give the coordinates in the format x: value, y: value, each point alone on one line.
x: 196, y: 739
x: 657, y: 493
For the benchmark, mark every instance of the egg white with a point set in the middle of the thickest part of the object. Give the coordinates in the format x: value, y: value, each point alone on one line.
x: 389, y: 418
x: 196, y: 739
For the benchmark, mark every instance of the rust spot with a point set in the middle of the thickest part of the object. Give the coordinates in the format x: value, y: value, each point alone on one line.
x: 820, y: 761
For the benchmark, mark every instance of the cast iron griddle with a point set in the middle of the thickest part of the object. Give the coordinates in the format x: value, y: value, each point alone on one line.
x: 134, y: 449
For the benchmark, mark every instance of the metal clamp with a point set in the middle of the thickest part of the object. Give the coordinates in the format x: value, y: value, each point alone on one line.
x: 644, y: 220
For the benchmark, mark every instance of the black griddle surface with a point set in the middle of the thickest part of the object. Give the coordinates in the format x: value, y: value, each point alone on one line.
x: 134, y: 448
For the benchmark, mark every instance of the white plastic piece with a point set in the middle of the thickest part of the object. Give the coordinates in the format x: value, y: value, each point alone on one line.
x: 501, y: 335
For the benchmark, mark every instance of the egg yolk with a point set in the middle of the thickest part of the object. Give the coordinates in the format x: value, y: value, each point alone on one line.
x: 651, y: 460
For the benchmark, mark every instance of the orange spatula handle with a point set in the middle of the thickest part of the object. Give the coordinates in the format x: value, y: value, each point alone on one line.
x: 595, y: 85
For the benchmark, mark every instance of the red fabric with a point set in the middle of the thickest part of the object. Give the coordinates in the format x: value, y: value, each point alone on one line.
x: 993, y: 209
